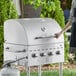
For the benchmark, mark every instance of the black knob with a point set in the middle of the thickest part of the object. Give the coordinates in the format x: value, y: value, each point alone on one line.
x: 7, y: 48
x: 50, y: 53
x: 42, y: 54
x: 34, y: 55
x: 24, y: 50
x: 26, y: 57
x: 57, y: 52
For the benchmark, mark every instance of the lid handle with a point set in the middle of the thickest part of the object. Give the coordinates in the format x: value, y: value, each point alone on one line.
x: 41, y: 37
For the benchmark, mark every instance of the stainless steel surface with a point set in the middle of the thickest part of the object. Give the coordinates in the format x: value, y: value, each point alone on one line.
x: 34, y: 39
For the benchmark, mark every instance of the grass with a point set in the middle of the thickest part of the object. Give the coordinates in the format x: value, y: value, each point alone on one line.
x: 66, y: 72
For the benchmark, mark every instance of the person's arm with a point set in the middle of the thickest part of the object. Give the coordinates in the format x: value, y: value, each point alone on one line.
x: 69, y: 23
x: 67, y: 26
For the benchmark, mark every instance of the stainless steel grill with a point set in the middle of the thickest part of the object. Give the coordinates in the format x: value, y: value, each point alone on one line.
x: 33, y: 38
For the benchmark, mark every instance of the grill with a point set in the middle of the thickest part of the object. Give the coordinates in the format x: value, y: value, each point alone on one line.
x: 33, y: 38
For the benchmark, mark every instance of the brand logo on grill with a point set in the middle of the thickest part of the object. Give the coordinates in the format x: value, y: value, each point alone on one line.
x: 43, y: 29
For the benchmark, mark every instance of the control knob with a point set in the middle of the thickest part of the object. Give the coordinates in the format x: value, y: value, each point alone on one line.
x: 57, y: 52
x: 42, y: 54
x: 34, y: 55
x: 50, y: 53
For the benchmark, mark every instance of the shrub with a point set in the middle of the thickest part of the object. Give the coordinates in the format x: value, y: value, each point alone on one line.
x: 7, y: 11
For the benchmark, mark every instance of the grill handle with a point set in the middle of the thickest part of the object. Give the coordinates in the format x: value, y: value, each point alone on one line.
x: 45, y: 37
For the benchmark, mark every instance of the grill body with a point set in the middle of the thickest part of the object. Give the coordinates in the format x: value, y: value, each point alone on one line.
x: 33, y: 38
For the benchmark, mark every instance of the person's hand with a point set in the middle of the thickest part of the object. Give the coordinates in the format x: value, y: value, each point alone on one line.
x: 57, y: 35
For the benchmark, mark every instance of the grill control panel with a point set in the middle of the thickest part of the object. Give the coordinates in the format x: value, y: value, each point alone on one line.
x: 45, y: 54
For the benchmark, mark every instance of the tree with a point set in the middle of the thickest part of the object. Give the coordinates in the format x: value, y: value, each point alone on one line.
x: 52, y: 9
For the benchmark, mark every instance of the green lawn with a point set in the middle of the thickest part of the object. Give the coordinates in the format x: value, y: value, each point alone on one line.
x: 66, y: 72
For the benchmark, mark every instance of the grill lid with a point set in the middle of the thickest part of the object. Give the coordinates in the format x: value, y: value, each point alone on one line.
x: 32, y: 31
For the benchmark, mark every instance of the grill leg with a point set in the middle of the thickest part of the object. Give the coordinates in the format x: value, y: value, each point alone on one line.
x: 61, y: 69
x: 28, y: 71
x: 39, y: 70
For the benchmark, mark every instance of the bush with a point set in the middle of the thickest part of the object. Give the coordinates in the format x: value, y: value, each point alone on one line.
x: 7, y: 11
x: 1, y: 45
x: 52, y: 9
